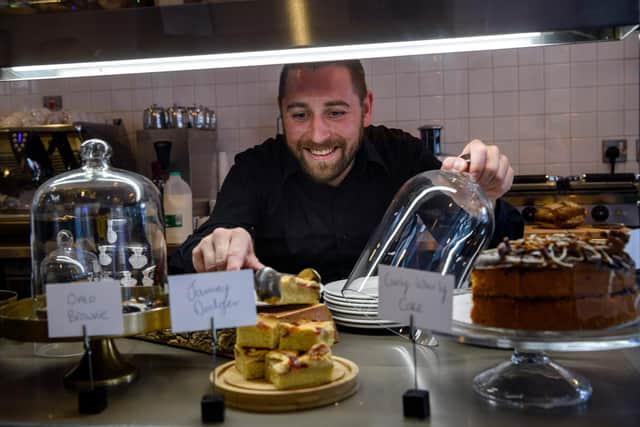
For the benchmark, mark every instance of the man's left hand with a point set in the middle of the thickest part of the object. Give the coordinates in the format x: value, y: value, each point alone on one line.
x: 490, y: 169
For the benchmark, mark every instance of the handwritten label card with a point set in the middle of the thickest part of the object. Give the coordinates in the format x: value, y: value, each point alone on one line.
x: 227, y: 296
x: 427, y: 295
x: 97, y: 305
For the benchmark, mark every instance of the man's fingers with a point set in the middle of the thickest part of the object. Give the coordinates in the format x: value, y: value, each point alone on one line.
x: 253, y: 262
x: 491, y: 166
x: 478, y: 156
x: 220, y: 240
x: 197, y: 260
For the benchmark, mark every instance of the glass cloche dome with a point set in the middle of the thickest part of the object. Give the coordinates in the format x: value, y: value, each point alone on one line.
x: 96, y: 223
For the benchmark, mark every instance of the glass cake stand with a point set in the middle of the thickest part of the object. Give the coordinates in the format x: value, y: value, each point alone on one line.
x: 530, y: 378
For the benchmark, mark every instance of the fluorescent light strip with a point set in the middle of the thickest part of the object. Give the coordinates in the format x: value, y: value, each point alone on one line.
x: 270, y: 57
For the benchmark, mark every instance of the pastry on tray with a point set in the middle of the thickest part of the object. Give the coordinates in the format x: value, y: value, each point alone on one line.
x: 295, y: 290
x: 557, y: 282
x: 264, y: 334
x: 250, y: 361
x: 562, y: 214
x: 303, y: 334
x: 285, y: 370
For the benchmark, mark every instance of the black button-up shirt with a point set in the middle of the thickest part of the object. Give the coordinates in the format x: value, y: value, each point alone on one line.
x: 298, y: 223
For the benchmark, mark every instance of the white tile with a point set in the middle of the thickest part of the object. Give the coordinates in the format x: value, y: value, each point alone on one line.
x: 558, y: 126
x: 583, y: 99
x: 141, y: 98
x: 407, y: 84
x: 431, y: 107
x: 610, y: 72
x: 456, y: 131
x: 100, y: 83
x: 480, y: 105
x: 122, y: 82
x: 384, y: 110
x: 581, y: 52
x: 49, y: 86
x: 556, y: 54
x: 558, y: 100
x: 481, y: 59
x: 481, y: 80
x: 531, y: 77
x: 531, y: 151
x: 228, y: 117
x: 557, y: 76
x: 511, y: 149
x: 203, y: 95
x: 5, y: 88
x: 431, y: 83
x: 530, y: 56
x: 268, y: 116
x: 163, y: 96
x: 203, y: 77
x: 226, y: 94
x: 505, y: 128
x: 247, y: 74
x: 100, y: 101
x: 557, y: 169
x: 24, y: 102
x: 631, y: 43
x: 456, y: 81
x: 631, y: 97
x: 77, y: 101
x: 505, y: 79
x: 481, y: 128
x: 248, y: 116
x: 631, y: 71
x: 455, y: 61
x: 456, y: 106
x: 410, y: 126
x: 408, y: 108
x: 583, y: 125
x: 184, y: 78
x: 531, y: 102
x: 407, y: 64
x: 20, y: 87
x: 245, y: 136
x: 268, y: 72
x: 248, y: 93
x: 382, y: 66
x: 631, y: 119
x: 184, y: 95
x: 162, y: 79
x: 226, y: 75
x: 227, y: 139
x: 267, y: 93
x: 531, y: 169
x: 121, y: 100
x: 505, y: 103
x: 610, y: 50
x: 610, y: 123
x: 505, y: 57
x: 142, y: 80
x: 557, y: 150
x: 585, y: 150
x: 430, y: 62
x: 35, y: 87
x: 531, y: 127
x: 79, y: 84
x: 265, y: 133
x: 610, y: 98
x: 383, y: 85
x: 583, y: 74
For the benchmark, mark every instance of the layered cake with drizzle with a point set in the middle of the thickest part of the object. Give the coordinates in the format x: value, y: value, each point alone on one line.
x: 556, y: 282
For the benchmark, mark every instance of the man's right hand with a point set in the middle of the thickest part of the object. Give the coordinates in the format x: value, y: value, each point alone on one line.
x: 225, y: 249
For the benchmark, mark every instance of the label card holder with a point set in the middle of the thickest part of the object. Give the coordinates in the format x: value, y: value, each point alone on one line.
x: 426, y: 295
x: 96, y: 305
x: 226, y: 296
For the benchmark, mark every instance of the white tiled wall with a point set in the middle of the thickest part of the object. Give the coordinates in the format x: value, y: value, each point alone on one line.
x: 547, y: 108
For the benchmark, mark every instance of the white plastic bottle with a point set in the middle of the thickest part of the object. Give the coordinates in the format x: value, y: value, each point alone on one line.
x: 178, y: 210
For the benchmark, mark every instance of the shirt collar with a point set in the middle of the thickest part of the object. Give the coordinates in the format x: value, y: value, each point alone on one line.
x: 366, y: 154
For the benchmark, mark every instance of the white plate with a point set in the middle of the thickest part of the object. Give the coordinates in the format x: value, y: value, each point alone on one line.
x: 365, y: 321
x: 351, y: 303
x: 352, y: 312
x: 366, y: 326
x: 368, y: 292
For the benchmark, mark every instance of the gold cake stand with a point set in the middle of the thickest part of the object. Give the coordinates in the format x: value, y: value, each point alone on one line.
x: 109, y: 367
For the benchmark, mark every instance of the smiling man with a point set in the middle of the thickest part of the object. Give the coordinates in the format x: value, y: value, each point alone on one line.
x: 313, y: 196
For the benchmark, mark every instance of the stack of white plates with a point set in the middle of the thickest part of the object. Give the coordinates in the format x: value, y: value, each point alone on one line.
x: 355, y: 309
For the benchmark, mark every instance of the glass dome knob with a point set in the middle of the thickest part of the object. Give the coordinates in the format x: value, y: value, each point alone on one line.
x: 64, y: 239
x: 95, y: 149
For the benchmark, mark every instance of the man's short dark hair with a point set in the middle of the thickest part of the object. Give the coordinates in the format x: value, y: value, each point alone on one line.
x: 354, y: 67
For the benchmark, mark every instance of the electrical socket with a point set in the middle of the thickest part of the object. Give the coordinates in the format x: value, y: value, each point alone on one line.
x: 622, y: 146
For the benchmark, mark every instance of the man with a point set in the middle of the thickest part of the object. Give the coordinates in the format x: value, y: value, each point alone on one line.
x: 313, y: 196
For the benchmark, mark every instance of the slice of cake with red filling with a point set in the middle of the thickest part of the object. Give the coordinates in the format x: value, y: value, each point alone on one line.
x: 285, y: 370
x: 303, y: 334
x: 264, y: 334
x: 250, y: 361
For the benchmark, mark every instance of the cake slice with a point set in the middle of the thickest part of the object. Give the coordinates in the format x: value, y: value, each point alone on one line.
x: 295, y: 290
x: 285, y: 370
x: 250, y: 361
x: 304, y: 334
x: 264, y: 334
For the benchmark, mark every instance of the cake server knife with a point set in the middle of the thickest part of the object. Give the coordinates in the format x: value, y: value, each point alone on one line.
x: 267, y: 281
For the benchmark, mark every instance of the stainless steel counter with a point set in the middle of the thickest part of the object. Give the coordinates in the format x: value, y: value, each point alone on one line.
x: 172, y: 382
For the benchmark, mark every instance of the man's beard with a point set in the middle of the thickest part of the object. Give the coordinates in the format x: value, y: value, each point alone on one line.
x: 324, y: 172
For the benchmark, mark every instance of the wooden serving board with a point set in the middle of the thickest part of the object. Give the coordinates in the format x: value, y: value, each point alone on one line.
x: 262, y: 396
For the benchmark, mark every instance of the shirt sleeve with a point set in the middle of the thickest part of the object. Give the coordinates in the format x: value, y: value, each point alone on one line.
x: 237, y: 205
